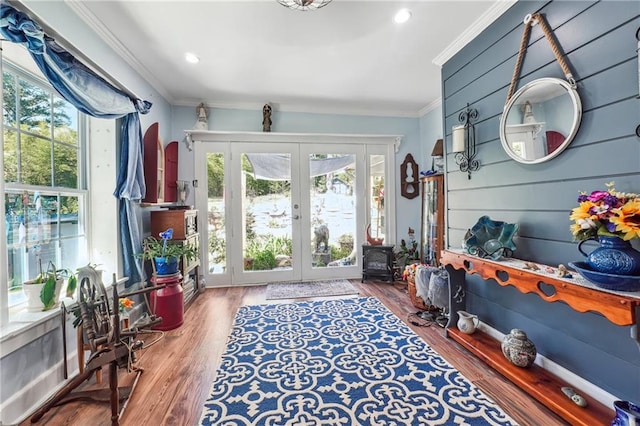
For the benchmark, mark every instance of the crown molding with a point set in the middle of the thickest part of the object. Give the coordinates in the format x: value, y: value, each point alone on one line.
x: 329, y: 108
x: 479, y: 25
x: 79, y: 8
x: 436, y: 103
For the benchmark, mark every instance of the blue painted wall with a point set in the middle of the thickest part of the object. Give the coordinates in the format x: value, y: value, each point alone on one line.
x: 599, y: 40
x: 430, y: 131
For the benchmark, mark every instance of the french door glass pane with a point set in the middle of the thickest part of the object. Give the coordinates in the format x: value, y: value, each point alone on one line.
x: 333, y: 207
x: 266, y: 212
x: 217, y: 252
x: 376, y: 174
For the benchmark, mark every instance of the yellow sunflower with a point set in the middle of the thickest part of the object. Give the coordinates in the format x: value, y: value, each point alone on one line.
x: 582, y: 211
x: 627, y: 219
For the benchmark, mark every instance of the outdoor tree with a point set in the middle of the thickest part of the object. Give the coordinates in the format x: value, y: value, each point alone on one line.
x: 35, y: 104
x: 33, y: 158
x: 215, y: 174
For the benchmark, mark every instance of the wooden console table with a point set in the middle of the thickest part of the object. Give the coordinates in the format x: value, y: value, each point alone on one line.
x: 619, y: 308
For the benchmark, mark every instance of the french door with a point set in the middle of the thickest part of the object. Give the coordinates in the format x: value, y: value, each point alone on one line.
x: 285, y: 211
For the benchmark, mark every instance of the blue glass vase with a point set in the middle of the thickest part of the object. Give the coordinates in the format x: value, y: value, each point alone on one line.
x: 627, y: 414
x: 614, y: 256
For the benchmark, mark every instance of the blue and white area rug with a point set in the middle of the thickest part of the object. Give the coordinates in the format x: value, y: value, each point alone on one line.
x: 338, y: 362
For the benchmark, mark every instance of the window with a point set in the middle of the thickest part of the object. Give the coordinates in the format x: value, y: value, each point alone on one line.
x: 45, y: 193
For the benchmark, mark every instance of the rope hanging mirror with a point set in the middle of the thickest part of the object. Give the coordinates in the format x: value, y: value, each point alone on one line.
x: 541, y: 119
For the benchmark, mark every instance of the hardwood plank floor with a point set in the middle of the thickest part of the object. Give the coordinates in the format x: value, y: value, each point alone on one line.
x: 180, y: 367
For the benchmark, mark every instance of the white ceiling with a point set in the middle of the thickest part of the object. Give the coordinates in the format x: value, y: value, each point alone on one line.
x: 348, y: 57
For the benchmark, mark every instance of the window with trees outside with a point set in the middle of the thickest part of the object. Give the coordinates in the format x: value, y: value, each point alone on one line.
x: 45, y: 190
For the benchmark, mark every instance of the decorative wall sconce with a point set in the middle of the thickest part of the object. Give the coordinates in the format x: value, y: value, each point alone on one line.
x: 464, y: 141
x: 437, y: 163
x: 409, y: 180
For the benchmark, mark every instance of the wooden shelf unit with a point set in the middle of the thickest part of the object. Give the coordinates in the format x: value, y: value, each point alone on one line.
x: 620, y: 309
x: 184, y: 222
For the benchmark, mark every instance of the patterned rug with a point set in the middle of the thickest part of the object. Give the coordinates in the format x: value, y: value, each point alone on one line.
x: 309, y: 289
x: 338, y: 362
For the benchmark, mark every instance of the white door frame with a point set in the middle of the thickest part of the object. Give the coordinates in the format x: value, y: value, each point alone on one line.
x: 201, y: 141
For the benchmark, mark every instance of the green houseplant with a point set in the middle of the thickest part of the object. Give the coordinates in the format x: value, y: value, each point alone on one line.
x: 165, y: 254
x: 43, y: 292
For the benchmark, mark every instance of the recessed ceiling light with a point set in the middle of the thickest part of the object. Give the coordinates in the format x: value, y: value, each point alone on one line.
x: 402, y: 16
x: 191, y: 58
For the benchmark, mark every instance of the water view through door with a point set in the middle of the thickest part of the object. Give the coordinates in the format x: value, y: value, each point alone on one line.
x: 287, y: 212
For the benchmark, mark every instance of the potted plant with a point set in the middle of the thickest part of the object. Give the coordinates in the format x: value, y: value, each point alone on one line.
x: 43, y: 292
x: 166, y: 255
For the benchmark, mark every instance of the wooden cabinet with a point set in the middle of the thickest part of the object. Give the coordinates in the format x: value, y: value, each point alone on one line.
x: 432, y: 220
x: 189, y: 269
x: 185, y: 231
x: 160, y: 167
x: 183, y: 221
x: 153, y: 165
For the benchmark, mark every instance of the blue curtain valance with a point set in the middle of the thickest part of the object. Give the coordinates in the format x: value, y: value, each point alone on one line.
x: 93, y: 95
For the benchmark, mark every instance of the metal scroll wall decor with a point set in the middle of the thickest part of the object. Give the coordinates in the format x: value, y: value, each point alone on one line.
x: 464, y: 141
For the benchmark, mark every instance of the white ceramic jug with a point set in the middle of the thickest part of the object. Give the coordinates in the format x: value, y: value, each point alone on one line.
x: 467, y: 323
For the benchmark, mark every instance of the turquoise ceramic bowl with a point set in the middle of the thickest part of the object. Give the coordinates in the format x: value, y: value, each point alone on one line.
x: 490, y: 239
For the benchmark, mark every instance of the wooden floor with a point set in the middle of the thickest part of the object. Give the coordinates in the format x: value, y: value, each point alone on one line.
x: 180, y: 368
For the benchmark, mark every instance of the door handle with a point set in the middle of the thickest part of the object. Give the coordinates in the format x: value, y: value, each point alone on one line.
x: 296, y: 217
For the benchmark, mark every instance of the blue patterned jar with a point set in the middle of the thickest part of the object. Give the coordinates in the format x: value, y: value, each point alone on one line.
x: 614, y: 256
x: 627, y: 414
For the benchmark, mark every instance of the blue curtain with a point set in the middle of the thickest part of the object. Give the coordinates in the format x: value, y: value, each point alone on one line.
x: 96, y: 97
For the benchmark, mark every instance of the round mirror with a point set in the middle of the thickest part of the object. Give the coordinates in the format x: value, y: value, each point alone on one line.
x: 540, y: 120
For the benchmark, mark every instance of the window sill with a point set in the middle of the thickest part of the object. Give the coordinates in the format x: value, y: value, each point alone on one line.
x: 24, y: 327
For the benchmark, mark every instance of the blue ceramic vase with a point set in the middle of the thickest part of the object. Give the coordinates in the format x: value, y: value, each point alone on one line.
x: 614, y: 256
x: 627, y: 414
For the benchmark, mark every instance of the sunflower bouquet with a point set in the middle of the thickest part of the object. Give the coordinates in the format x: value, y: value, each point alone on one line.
x: 606, y: 213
